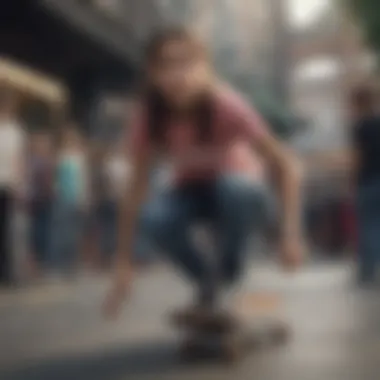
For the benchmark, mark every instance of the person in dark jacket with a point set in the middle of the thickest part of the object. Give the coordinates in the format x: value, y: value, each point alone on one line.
x: 40, y: 197
x: 366, y: 173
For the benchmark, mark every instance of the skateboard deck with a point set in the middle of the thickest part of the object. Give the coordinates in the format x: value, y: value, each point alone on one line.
x: 228, y: 347
x: 232, y: 345
x: 222, y: 336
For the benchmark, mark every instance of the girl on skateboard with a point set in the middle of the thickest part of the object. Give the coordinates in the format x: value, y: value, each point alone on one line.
x: 208, y: 132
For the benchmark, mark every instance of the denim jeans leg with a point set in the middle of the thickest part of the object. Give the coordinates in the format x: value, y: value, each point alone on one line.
x: 107, y: 220
x: 36, y: 234
x: 74, y: 228
x: 240, y: 207
x: 165, y: 222
x: 57, y: 237
x: 41, y: 231
x: 368, y: 211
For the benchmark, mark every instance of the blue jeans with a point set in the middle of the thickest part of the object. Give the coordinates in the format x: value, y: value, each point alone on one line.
x: 67, y: 232
x: 107, y: 220
x: 368, y: 217
x: 231, y: 204
x: 40, y: 230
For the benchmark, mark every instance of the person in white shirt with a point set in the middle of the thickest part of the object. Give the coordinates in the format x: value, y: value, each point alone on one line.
x: 71, y: 202
x: 117, y: 171
x: 112, y: 183
x: 12, y: 144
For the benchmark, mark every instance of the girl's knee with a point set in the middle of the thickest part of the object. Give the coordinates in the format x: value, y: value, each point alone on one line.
x: 157, y: 221
x: 239, y: 192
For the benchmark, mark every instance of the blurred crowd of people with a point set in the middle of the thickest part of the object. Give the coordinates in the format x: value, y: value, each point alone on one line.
x: 71, y: 195
x: 58, y: 198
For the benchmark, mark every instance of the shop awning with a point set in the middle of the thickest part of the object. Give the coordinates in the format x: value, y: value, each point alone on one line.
x: 26, y: 80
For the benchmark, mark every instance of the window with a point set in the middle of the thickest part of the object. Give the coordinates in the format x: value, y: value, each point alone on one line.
x: 303, y: 13
x: 317, y: 69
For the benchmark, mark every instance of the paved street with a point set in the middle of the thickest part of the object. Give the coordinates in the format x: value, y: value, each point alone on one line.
x: 57, y: 333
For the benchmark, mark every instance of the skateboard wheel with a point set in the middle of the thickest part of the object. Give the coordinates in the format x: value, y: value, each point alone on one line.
x: 189, y: 350
x: 232, y: 349
x: 231, y: 353
x: 281, y: 334
x: 228, y: 350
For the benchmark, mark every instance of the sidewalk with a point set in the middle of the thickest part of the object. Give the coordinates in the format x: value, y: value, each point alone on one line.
x: 58, y: 332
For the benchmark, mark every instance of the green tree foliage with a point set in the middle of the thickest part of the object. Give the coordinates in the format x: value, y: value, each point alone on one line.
x: 276, y: 113
x: 367, y: 15
x: 284, y: 123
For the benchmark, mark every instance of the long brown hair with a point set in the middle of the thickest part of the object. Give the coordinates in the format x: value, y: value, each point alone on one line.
x: 160, y: 110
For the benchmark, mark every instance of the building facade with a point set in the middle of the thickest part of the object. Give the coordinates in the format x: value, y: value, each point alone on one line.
x: 328, y: 60
x: 240, y: 33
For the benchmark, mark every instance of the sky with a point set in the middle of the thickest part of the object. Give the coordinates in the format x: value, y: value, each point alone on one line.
x: 303, y: 12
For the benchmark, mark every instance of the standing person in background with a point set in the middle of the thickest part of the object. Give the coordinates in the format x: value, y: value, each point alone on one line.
x: 40, y: 197
x: 366, y: 174
x: 160, y: 178
x: 71, y: 201
x: 92, y: 249
x: 12, y: 145
x: 113, y: 178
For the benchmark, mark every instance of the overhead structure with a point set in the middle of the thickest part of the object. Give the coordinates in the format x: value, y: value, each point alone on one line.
x: 31, y: 82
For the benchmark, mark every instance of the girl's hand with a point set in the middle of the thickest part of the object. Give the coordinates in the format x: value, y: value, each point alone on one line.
x: 292, y: 253
x: 118, y: 293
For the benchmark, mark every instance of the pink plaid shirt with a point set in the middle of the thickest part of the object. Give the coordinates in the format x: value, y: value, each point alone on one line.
x: 236, y: 127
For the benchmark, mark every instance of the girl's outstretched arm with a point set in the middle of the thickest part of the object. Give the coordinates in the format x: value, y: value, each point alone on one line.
x: 139, y: 158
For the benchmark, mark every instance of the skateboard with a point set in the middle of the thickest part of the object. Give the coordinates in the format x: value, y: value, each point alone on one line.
x: 214, y: 335
x: 228, y: 346
x: 219, y: 336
